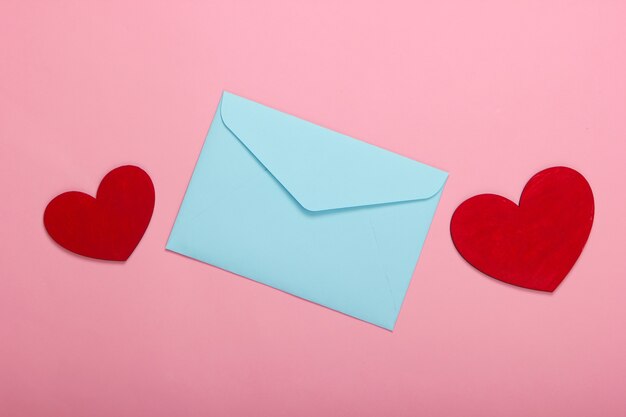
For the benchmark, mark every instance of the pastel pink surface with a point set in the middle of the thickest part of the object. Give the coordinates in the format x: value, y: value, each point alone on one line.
x: 491, y: 92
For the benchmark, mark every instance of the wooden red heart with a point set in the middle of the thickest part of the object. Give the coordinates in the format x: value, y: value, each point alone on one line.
x: 109, y: 226
x: 534, y: 244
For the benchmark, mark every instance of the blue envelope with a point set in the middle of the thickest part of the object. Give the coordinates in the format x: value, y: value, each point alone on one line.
x: 309, y: 211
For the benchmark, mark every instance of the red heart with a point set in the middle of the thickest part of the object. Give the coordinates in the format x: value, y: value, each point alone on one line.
x: 533, y: 245
x: 109, y: 226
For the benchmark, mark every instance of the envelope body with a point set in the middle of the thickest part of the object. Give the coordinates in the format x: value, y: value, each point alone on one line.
x: 307, y: 210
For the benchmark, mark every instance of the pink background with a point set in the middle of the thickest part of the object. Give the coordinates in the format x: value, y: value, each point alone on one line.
x: 491, y: 93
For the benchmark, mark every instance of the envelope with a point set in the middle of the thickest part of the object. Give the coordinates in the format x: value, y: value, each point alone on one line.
x: 307, y: 210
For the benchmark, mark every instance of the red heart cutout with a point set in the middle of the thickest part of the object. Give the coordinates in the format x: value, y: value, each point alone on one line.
x: 109, y: 226
x: 534, y: 244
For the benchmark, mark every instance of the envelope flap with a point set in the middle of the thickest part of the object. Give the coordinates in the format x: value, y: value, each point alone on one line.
x: 323, y: 169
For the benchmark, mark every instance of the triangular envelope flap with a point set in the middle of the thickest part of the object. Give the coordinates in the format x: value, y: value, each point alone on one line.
x: 323, y: 169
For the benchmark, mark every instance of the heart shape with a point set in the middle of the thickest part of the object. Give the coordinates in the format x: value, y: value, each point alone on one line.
x: 109, y: 226
x: 534, y: 244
